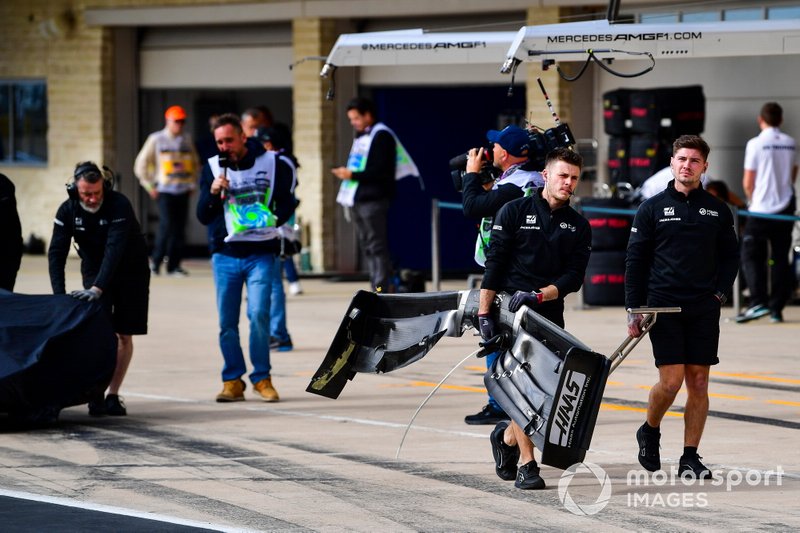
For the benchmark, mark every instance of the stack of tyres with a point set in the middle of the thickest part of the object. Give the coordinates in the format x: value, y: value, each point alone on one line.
x: 616, y: 112
x: 618, y: 165
x: 643, y: 123
x: 604, y: 283
x: 647, y: 155
x: 668, y: 112
x: 616, y: 119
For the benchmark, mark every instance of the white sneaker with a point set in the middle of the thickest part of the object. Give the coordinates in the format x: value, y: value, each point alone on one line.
x: 295, y: 288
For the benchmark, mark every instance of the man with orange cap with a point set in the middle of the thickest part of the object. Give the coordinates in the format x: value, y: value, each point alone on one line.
x: 167, y: 167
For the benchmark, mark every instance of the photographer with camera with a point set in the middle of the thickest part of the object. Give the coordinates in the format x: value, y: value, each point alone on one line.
x: 245, y: 196
x: 493, y: 179
x: 539, y: 252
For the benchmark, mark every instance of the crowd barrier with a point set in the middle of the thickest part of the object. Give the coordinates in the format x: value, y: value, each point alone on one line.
x: 437, y: 206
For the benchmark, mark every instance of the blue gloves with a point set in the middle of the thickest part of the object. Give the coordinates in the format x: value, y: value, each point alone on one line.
x: 87, y: 295
x: 487, y: 327
x: 520, y: 298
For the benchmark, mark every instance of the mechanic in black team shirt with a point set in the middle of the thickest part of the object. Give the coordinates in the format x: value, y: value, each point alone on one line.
x: 539, y: 252
x: 113, y: 264
x: 682, y: 252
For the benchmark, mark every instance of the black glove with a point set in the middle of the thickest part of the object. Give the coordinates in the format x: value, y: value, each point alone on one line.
x: 520, y: 298
x: 87, y: 295
x: 635, y: 324
x: 487, y: 327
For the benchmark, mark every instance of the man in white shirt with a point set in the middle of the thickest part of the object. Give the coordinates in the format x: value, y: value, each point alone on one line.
x: 770, y: 170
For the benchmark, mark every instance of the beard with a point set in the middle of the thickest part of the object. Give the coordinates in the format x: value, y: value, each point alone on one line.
x: 92, y: 210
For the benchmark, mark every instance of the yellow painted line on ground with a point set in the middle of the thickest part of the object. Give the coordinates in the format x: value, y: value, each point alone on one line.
x: 431, y: 384
x: 476, y: 368
x: 784, y: 402
x: 609, y: 406
x: 615, y: 383
x: 614, y: 407
x: 710, y: 394
x: 755, y: 376
x: 728, y: 396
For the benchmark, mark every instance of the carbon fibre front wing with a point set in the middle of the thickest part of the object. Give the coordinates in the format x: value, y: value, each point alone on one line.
x: 549, y: 382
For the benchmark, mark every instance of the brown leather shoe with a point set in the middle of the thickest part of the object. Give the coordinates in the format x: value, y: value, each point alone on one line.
x: 266, y: 390
x: 232, y: 391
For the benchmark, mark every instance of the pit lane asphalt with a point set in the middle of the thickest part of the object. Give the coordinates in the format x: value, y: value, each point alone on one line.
x: 180, y: 461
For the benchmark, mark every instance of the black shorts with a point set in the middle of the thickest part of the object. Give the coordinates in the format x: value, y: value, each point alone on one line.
x: 127, y: 302
x: 690, y: 337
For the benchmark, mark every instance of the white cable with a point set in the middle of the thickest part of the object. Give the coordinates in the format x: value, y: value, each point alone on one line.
x: 473, y: 354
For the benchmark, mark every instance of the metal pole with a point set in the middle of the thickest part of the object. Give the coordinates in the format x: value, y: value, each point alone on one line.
x: 435, y: 273
x: 612, y: 13
x: 737, y: 285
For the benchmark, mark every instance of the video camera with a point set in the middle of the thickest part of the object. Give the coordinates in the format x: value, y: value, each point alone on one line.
x: 488, y: 173
x: 541, y: 143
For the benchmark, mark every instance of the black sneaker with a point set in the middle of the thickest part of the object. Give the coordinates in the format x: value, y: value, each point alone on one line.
x: 115, y: 406
x: 528, y: 477
x: 692, y: 468
x: 280, y: 346
x: 505, y: 456
x: 487, y: 415
x: 649, y: 455
x: 776, y: 317
x: 97, y: 407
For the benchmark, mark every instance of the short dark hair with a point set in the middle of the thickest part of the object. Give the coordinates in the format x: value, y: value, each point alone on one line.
x: 88, y: 171
x: 694, y: 142
x: 363, y: 106
x: 228, y: 119
x: 564, y: 154
x: 259, y: 112
x: 772, y: 114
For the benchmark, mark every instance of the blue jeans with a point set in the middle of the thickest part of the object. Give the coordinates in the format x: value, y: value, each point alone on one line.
x: 230, y: 274
x: 490, y: 359
x: 277, y: 310
x: 290, y: 269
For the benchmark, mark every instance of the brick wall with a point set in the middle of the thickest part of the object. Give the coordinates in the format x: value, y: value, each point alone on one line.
x: 72, y: 63
x: 314, y: 139
x: 557, y: 89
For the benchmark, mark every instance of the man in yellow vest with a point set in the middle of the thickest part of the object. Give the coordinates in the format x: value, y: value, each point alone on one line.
x: 167, y: 167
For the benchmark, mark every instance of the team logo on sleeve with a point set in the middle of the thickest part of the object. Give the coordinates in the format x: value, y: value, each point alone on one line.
x: 669, y: 211
x: 530, y: 219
